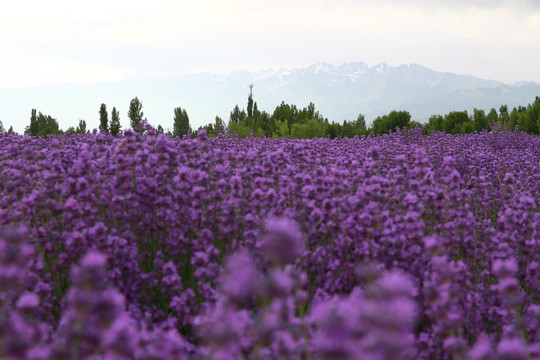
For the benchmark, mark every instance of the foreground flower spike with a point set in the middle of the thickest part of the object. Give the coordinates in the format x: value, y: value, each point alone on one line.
x: 283, y: 242
x: 91, y: 309
x: 15, y: 253
x: 240, y: 277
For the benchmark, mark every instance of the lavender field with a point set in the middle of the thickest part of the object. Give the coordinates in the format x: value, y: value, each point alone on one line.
x: 402, y: 246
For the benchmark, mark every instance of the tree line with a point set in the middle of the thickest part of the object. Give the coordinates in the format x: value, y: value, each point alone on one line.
x: 289, y: 121
x: 41, y: 125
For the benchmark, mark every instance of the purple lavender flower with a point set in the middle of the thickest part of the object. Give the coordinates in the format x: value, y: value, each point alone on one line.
x: 511, y: 349
x: 283, y: 242
x: 240, y: 277
x: 15, y: 254
x: 482, y: 349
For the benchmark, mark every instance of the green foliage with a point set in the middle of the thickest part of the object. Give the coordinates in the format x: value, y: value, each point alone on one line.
x: 181, y: 124
x: 504, y: 117
x: 135, y: 114
x: 349, y: 128
x: 290, y: 121
x: 535, y: 113
x: 42, y: 125
x: 81, y: 129
x: 479, y: 120
x: 115, y: 122
x: 104, y: 118
x: 414, y: 124
x: 282, y: 129
x: 265, y: 121
x: 454, y: 120
x: 360, y: 125
x: 516, y: 119
x: 237, y: 116
x: 311, y: 129
x: 468, y: 127
x: 213, y: 130
x: 239, y: 129
x: 492, y: 117
x: 33, y: 128
x: 528, y: 118
x: 333, y: 130
x: 250, y: 107
x: 435, y: 123
x: 387, y: 123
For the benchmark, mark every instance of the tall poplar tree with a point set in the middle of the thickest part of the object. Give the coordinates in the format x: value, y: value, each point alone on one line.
x: 33, y: 129
x: 115, y: 122
x: 135, y: 114
x: 250, y: 107
x: 104, y: 118
x: 181, y: 124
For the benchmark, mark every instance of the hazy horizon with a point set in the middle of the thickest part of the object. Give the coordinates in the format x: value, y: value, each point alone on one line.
x: 339, y: 92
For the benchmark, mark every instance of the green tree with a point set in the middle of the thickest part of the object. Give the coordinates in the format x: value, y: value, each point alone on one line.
x: 311, y: 129
x: 387, y: 123
x: 282, y: 129
x: 454, y: 120
x: 264, y: 120
x: 135, y: 114
x: 250, y: 107
x: 347, y: 129
x: 10, y: 131
x: 181, y: 124
x: 115, y: 122
x: 480, y: 120
x: 219, y: 125
x: 414, y: 124
x: 515, y: 119
x: 104, y: 118
x: 468, y: 127
x: 284, y: 112
x: 42, y: 125
x: 33, y: 128
x: 435, y: 123
x: 239, y: 129
x: 492, y: 117
x: 360, y: 124
x: 333, y: 130
x: 237, y: 115
x: 504, y: 117
x: 81, y: 129
x: 528, y: 117
x: 534, y: 113
x: 71, y: 130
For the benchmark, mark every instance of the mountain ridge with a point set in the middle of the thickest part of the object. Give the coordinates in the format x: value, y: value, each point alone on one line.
x: 339, y: 92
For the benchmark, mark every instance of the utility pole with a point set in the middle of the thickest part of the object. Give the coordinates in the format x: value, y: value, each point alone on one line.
x: 251, y: 90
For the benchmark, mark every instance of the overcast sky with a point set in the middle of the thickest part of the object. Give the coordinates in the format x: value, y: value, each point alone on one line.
x: 58, y: 41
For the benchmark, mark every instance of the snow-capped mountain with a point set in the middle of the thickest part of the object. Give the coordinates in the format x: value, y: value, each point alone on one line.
x: 339, y: 92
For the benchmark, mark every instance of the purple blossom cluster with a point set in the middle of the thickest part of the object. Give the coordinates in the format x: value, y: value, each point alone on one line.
x: 402, y: 246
